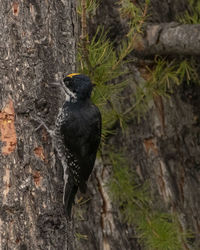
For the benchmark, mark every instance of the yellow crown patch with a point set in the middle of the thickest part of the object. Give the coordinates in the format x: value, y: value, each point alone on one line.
x: 74, y: 74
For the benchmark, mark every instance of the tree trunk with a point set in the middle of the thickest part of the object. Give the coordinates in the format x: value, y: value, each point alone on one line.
x: 37, y: 42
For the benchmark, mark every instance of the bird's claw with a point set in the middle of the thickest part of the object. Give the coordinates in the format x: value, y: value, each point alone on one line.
x: 42, y: 123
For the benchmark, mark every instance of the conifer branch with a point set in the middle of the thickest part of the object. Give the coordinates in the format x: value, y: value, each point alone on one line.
x: 130, y: 46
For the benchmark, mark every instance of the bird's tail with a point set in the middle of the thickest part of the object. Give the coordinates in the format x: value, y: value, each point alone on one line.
x: 69, y: 196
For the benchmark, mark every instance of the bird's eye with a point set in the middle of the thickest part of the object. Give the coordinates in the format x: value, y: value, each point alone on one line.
x: 67, y: 81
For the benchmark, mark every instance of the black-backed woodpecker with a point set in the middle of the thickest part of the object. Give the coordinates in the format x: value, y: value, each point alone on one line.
x: 78, y: 132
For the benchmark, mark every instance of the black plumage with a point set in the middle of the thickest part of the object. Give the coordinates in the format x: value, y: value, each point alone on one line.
x: 80, y: 127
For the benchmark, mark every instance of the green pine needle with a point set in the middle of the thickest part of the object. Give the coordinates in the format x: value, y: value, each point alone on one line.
x: 192, y: 15
x: 156, y: 230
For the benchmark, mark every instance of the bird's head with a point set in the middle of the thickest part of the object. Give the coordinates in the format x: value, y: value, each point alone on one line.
x: 78, y: 86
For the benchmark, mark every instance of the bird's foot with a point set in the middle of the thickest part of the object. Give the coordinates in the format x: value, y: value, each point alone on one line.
x: 42, y: 124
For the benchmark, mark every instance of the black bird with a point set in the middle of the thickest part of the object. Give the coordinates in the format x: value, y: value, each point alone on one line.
x: 78, y: 131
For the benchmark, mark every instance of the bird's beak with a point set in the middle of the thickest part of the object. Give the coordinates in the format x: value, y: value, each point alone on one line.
x: 55, y: 84
x: 94, y: 85
x: 73, y: 74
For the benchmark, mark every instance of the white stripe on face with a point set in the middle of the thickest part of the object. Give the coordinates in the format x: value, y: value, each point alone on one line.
x: 68, y: 93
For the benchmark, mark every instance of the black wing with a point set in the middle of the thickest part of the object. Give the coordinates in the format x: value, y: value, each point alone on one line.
x: 82, y: 133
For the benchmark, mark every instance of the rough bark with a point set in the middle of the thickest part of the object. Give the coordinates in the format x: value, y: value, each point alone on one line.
x: 37, y: 40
